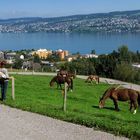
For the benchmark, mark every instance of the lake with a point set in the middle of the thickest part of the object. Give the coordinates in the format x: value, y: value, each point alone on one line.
x: 73, y: 42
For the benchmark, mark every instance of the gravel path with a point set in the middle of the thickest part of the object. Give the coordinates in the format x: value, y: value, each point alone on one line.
x: 112, y: 81
x: 21, y: 125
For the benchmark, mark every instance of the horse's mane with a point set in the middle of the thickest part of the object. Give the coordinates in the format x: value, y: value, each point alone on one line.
x: 107, y: 92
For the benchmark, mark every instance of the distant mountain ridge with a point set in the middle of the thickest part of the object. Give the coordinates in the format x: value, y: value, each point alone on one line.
x: 94, y: 15
x: 118, y: 21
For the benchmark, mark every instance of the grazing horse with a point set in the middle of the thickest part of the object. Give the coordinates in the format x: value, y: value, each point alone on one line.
x: 121, y: 95
x: 61, y: 80
x: 92, y: 78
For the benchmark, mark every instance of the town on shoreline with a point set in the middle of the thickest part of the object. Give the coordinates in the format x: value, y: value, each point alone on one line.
x: 113, y: 22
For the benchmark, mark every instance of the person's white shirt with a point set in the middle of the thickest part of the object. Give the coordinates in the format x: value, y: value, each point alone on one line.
x: 4, y: 73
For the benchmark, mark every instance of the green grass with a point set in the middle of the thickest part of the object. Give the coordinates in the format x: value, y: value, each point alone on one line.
x: 34, y: 94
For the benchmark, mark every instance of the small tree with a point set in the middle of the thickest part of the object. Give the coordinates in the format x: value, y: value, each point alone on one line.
x: 124, y: 54
x: 36, y: 59
x: 18, y: 64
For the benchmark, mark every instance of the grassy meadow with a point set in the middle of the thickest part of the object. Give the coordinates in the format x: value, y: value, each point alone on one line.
x: 34, y: 94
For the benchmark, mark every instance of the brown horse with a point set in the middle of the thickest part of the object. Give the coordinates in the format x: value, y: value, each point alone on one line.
x: 65, y: 73
x: 61, y: 80
x: 92, y: 78
x: 121, y: 95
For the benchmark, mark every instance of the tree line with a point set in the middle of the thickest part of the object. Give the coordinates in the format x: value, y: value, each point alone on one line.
x: 117, y: 65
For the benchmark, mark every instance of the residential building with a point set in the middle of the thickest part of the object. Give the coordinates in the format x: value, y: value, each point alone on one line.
x: 42, y: 53
x: 62, y: 53
x: 136, y: 65
x: 1, y: 55
x: 91, y: 56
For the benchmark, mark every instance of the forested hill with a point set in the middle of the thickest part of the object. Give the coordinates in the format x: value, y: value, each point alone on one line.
x: 119, y: 21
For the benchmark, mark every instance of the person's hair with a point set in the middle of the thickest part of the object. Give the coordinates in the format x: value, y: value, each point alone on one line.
x: 2, y: 63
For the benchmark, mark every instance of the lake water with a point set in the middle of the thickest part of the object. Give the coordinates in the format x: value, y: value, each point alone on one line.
x: 74, y: 42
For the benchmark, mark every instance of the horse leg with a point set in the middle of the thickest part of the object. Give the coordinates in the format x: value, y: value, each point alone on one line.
x: 96, y: 82
x: 69, y: 87
x: 131, y: 105
x: 87, y: 80
x: 116, y: 105
x: 60, y: 86
x: 135, y: 107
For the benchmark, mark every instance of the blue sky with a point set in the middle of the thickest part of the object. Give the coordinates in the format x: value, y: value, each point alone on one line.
x: 53, y: 8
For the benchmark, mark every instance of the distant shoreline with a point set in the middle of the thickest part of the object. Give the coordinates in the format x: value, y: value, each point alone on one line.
x: 82, y: 43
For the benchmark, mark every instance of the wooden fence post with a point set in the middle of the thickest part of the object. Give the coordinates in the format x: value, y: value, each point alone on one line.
x: 65, y: 97
x: 13, y: 88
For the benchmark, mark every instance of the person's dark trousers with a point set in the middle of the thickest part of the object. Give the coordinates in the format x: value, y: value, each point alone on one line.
x: 4, y: 86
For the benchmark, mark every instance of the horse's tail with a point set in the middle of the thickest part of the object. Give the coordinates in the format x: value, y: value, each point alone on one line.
x: 138, y: 98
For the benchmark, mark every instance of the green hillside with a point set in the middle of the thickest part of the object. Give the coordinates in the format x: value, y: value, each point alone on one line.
x: 34, y: 94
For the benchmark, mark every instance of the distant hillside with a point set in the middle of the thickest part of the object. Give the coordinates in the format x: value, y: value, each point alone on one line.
x: 119, y: 21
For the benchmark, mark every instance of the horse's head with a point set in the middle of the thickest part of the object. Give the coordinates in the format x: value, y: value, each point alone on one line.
x: 101, y: 103
x: 51, y: 83
x: 53, y: 80
x: 106, y: 94
x: 71, y: 75
x: 74, y: 76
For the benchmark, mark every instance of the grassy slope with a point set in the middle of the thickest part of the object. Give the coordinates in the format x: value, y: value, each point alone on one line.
x: 34, y: 94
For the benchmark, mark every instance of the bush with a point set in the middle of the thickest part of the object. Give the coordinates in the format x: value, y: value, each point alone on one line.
x: 126, y: 72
